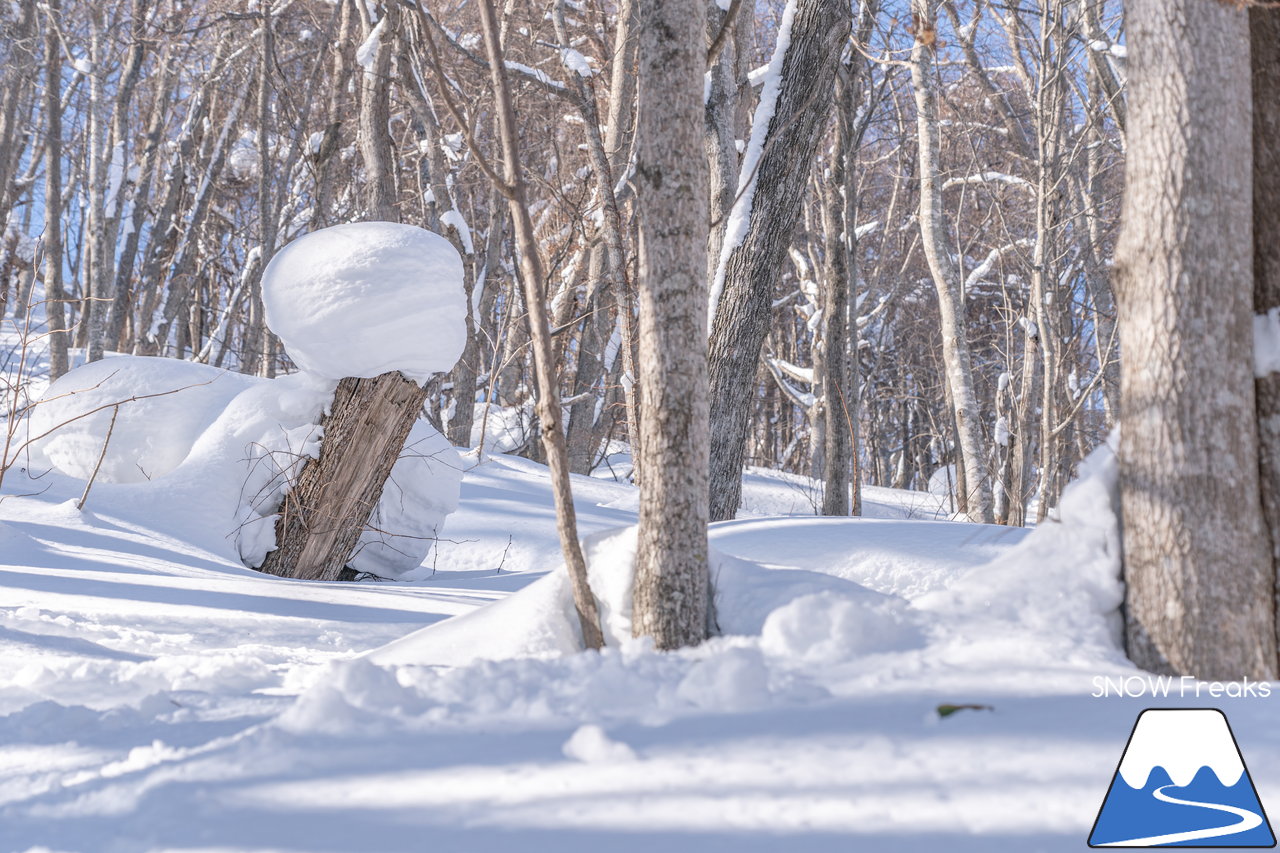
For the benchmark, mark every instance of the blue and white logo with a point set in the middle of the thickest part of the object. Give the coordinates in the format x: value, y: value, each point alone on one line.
x: 1182, y: 783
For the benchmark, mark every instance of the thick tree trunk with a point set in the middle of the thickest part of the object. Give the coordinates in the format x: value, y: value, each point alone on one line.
x: 327, y: 508
x: 671, y: 581
x: 1264, y: 29
x: 771, y: 191
x: 940, y: 253
x: 1200, y: 582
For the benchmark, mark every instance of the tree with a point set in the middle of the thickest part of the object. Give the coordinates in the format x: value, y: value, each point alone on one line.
x: 1200, y: 584
x: 1264, y: 33
x: 788, y: 124
x: 671, y: 581
x: 940, y: 252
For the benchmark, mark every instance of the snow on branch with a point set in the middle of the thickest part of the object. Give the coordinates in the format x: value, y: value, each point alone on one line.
x: 989, y: 178
x: 981, y: 271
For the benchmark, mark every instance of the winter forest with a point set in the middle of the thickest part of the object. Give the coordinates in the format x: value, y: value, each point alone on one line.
x: 555, y: 424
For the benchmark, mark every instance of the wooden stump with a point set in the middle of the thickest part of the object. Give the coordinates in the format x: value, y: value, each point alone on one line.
x: 324, y: 513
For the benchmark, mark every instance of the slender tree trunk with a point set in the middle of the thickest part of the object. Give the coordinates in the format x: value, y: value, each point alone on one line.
x: 939, y: 251
x: 771, y: 191
x: 379, y: 190
x: 53, y: 293
x: 549, y: 410
x: 671, y: 581
x: 1200, y: 596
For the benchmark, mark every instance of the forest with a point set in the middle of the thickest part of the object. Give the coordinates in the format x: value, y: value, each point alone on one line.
x: 971, y: 349
x: 786, y: 425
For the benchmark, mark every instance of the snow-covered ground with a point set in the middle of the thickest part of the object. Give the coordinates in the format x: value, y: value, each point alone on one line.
x: 157, y: 696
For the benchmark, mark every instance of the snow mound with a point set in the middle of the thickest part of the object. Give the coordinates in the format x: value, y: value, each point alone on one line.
x: 423, y: 488
x: 590, y: 745
x: 822, y: 629
x: 151, y: 436
x: 366, y: 298
x: 1058, y: 592
x: 540, y: 621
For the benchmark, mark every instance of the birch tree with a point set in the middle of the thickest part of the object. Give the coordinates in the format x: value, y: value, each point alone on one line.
x: 940, y: 251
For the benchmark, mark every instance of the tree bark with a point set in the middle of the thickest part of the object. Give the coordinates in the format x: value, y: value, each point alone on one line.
x: 940, y: 252
x: 53, y: 294
x: 326, y: 509
x: 671, y: 580
x: 1264, y: 31
x: 549, y: 410
x: 751, y: 262
x: 1200, y: 582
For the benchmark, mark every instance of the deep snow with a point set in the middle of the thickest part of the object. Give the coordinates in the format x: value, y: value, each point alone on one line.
x: 155, y: 695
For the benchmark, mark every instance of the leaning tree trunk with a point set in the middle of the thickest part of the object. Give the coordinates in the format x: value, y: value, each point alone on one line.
x: 671, y: 581
x: 770, y: 193
x: 327, y: 508
x: 940, y: 254
x: 1200, y: 582
x: 534, y: 279
x: 1264, y: 29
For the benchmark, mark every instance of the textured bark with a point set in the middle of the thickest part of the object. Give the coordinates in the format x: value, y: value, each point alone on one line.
x: 831, y: 358
x: 1200, y: 582
x: 1264, y: 29
x: 531, y: 271
x: 940, y: 253
x: 52, y: 243
x: 374, y: 139
x: 819, y: 31
x: 671, y: 581
x: 326, y: 509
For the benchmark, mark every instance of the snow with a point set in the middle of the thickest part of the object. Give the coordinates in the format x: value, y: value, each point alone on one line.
x: 1266, y: 343
x: 454, y: 219
x: 421, y: 491
x: 576, y: 62
x: 590, y: 744
x: 157, y: 695
x: 151, y: 436
x: 365, y: 298
x: 367, y: 52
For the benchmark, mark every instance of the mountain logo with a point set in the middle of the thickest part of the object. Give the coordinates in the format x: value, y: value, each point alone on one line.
x: 1182, y: 782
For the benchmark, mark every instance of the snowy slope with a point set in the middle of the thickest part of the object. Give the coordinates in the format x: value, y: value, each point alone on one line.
x: 155, y: 696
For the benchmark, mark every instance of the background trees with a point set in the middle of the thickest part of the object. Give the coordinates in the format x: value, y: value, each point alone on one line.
x: 156, y: 154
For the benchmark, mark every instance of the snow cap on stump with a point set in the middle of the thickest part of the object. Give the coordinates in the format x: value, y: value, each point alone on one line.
x: 366, y: 298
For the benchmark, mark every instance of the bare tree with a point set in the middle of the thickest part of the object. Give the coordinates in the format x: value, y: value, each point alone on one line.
x: 940, y: 251
x: 788, y: 126
x: 671, y: 582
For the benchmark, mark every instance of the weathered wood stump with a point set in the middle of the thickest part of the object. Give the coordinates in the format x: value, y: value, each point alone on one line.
x: 324, y: 513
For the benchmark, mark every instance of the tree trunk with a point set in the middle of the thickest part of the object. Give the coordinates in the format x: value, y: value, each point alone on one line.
x: 53, y: 295
x: 938, y: 250
x: 1200, y: 583
x: 379, y: 190
x: 771, y: 191
x: 531, y: 271
x: 1264, y: 29
x: 327, y: 508
x: 671, y: 581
